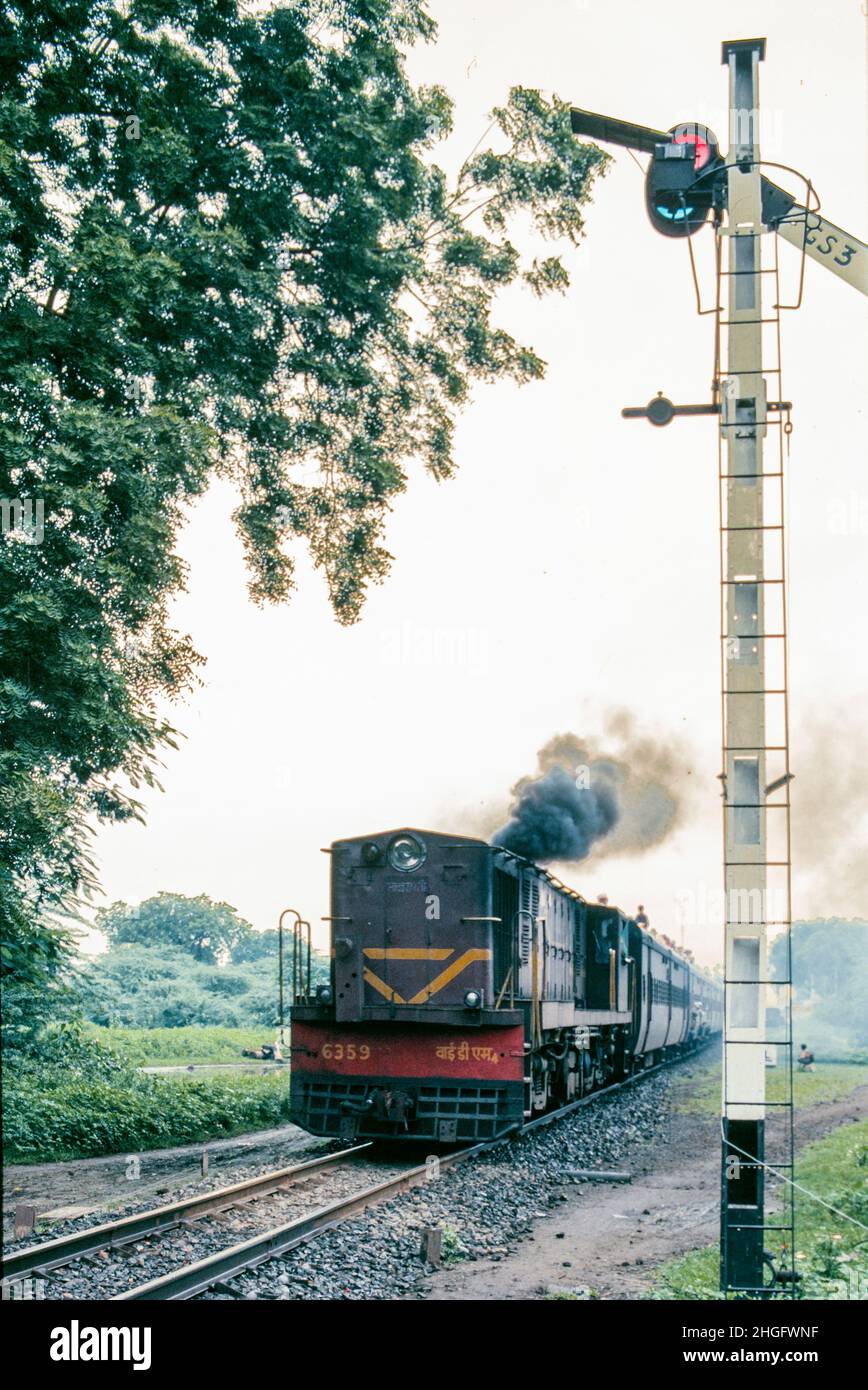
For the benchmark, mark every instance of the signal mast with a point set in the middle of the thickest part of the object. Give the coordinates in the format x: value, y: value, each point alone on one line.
x: 689, y: 183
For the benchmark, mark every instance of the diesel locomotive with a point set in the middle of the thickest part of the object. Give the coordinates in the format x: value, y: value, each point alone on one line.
x: 471, y: 990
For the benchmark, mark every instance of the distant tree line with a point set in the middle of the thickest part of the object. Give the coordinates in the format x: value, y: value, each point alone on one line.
x: 830, y: 979
x: 173, y: 961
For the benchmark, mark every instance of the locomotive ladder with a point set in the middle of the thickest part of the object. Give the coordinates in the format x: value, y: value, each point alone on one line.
x: 757, y: 1134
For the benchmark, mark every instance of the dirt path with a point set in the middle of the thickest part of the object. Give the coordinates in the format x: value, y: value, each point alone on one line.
x: 63, y: 1190
x: 212, y: 1068
x: 611, y: 1238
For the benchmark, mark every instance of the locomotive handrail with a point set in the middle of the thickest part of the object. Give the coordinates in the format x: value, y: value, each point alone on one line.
x: 301, y: 965
x: 287, y: 911
x: 499, y: 999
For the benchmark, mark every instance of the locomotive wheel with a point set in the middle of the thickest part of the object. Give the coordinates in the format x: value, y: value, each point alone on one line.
x: 539, y: 1085
x: 587, y: 1073
x: 574, y: 1070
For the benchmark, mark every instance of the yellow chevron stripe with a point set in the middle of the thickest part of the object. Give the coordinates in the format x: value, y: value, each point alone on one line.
x: 449, y: 974
x: 407, y: 953
x: 380, y: 985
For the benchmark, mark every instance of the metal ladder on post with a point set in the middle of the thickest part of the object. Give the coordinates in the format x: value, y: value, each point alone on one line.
x: 754, y: 669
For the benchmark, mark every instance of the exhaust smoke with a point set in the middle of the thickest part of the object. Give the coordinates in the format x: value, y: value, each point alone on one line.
x: 582, y: 800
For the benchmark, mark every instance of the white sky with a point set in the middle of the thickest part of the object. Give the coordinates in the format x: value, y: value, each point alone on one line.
x: 572, y: 566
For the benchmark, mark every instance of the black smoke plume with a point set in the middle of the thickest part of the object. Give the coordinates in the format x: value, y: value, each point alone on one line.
x: 581, y: 800
x: 553, y: 818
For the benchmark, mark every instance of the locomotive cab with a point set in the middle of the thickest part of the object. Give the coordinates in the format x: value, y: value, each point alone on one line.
x: 608, y: 959
x: 412, y: 929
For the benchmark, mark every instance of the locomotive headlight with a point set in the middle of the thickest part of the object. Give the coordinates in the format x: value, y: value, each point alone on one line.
x: 406, y: 853
x: 323, y: 994
x: 473, y: 999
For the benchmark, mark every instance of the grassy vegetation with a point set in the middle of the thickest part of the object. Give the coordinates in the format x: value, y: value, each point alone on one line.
x: 827, y: 1083
x: 452, y: 1247
x: 79, y: 1099
x: 831, y: 1252
x: 179, y: 1047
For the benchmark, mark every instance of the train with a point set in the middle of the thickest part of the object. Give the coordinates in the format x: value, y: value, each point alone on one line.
x: 471, y: 990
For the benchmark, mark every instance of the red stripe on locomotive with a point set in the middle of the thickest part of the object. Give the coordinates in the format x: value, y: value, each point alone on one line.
x: 489, y: 1054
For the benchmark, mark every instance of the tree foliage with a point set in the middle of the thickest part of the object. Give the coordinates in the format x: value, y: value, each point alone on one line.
x: 163, y: 987
x: 259, y: 945
x: 226, y: 249
x: 136, y: 986
x: 175, y: 961
x: 206, y: 930
x: 830, y: 980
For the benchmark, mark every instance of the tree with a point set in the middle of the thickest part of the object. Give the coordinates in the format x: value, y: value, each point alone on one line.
x: 206, y: 930
x: 164, y: 986
x: 828, y: 956
x: 259, y: 945
x: 39, y: 977
x: 225, y: 249
x: 136, y: 986
x: 830, y: 977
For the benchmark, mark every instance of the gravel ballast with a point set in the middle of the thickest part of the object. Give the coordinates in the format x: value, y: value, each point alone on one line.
x: 484, y: 1208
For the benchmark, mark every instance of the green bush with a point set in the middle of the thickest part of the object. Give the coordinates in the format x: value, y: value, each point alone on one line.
x: 830, y: 1082
x: 831, y: 1253
x: 78, y: 1099
x: 146, y: 1047
x: 163, y: 986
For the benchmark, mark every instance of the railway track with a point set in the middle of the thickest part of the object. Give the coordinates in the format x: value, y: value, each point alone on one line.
x: 125, y: 1236
x: 214, y: 1269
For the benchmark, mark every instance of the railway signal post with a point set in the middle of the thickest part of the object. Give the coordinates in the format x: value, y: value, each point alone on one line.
x: 687, y: 184
x: 751, y: 513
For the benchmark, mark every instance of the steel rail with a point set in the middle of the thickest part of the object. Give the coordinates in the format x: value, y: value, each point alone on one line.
x: 51, y: 1254
x: 201, y: 1275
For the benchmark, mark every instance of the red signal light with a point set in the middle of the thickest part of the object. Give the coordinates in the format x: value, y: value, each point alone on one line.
x: 681, y: 180
x: 702, y: 148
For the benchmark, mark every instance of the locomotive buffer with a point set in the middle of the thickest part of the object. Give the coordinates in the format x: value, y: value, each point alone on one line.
x: 688, y: 183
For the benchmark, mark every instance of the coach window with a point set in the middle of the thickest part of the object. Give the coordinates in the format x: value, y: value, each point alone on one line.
x: 601, y: 946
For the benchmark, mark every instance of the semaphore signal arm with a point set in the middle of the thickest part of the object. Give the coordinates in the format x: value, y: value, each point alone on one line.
x: 687, y: 179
